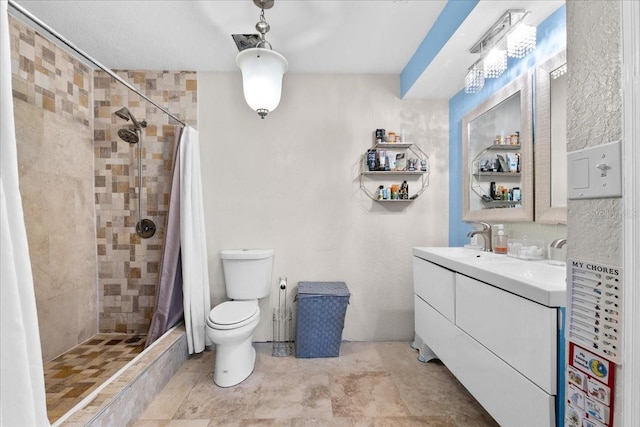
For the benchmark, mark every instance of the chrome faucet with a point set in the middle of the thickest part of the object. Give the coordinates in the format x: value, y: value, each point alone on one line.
x: 485, y: 232
x: 558, y: 243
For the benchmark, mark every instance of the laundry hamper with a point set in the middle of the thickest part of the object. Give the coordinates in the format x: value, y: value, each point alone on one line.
x: 322, y: 307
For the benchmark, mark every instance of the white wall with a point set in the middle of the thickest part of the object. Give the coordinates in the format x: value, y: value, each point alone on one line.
x: 290, y: 182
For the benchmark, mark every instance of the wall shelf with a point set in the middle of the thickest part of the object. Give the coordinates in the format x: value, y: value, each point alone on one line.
x: 379, y: 177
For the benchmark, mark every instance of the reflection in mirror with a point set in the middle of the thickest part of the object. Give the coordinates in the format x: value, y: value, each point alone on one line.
x: 551, y: 140
x: 558, y: 117
x: 488, y: 135
x: 497, y: 158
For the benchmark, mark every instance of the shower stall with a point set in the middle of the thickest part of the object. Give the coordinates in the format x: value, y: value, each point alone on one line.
x: 95, y: 188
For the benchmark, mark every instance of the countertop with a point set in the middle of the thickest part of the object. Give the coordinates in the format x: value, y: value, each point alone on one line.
x: 537, y: 281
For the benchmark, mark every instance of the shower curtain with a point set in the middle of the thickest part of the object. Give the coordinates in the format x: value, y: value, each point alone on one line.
x: 183, y: 284
x: 22, y: 389
x: 193, y: 243
x: 169, y: 308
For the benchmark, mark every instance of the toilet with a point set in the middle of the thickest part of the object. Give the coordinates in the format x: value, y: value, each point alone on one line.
x: 230, y: 325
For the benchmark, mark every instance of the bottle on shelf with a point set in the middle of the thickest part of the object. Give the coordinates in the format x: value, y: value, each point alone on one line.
x: 500, y: 246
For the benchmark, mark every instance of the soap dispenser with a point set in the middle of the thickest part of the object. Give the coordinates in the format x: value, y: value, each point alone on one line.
x: 500, y: 246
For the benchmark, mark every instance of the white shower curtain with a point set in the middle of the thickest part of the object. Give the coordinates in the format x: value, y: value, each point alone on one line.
x: 195, y: 272
x: 22, y: 401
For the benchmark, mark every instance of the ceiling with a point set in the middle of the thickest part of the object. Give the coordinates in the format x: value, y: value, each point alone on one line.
x: 316, y: 36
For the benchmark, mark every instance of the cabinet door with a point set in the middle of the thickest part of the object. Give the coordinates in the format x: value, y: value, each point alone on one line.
x: 435, y: 285
x: 438, y: 333
x: 519, y: 331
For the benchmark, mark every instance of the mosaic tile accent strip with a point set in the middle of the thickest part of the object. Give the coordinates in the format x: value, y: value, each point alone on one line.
x: 69, y: 378
x: 128, y: 264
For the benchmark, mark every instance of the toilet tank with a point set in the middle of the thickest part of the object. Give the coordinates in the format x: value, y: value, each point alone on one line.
x: 247, y: 272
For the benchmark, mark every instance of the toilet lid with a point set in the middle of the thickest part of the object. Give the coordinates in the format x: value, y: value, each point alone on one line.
x: 233, y: 313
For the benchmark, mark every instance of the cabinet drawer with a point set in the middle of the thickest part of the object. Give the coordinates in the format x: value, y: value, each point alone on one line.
x: 435, y: 285
x: 519, y: 331
x: 510, y: 398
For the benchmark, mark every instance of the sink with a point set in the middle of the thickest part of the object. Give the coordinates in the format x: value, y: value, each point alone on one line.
x: 536, y: 280
x: 472, y: 255
x: 458, y: 252
x: 539, y: 272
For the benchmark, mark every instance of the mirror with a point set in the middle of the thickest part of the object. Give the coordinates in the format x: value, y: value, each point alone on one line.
x: 551, y: 140
x: 497, y: 157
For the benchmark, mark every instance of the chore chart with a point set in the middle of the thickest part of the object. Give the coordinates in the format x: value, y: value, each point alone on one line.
x: 593, y: 329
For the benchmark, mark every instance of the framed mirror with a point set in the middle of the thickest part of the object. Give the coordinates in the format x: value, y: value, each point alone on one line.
x: 497, y: 156
x: 551, y: 140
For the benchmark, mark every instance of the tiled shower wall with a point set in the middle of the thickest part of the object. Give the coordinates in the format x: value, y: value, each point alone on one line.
x: 127, y: 264
x: 79, y: 187
x: 53, y: 117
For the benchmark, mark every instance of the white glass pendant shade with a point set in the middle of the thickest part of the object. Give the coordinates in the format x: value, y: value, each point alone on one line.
x: 262, y: 71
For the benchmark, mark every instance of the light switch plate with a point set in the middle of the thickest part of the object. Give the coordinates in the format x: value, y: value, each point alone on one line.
x: 595, y: 172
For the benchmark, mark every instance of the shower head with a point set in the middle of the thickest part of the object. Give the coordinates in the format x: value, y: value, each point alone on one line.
x: 129, y: 134
x: 125, y: 114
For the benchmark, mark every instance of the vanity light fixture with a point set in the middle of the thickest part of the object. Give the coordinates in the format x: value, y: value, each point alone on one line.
x: 508, y: 37
x: 262, y: 68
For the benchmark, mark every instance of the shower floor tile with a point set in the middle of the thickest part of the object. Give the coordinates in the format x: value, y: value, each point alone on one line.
x: 70, y: 377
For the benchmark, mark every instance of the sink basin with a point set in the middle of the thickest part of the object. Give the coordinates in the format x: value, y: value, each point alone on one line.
x: 539, y: 272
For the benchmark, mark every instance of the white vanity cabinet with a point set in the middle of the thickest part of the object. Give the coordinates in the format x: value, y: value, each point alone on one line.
x: 501, y: 347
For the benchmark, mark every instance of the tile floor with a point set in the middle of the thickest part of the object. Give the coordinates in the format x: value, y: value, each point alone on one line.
x: 370, y: 384
x: 72, y: 376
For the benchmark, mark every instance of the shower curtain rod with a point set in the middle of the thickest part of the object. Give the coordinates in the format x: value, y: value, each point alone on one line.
x: 86, y: 56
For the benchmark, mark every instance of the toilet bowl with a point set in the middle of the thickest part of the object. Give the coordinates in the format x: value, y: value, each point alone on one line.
x: 230, y: 326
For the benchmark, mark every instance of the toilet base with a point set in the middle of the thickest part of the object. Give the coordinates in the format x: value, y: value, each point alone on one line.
x: 234, y: 363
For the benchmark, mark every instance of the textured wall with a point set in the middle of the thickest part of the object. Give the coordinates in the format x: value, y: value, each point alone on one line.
x: 290, y: 182
x: 51, y: 93
x: 128, y: 264
x: 594, y: 118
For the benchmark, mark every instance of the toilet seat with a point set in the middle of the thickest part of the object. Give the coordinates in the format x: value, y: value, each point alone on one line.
x: 233, y: 314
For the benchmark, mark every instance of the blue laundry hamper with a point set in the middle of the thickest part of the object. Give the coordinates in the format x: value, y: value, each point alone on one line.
x: 322, y: 307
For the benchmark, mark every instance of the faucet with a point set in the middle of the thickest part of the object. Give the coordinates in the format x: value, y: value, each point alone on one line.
x: 558, y: 243
x: 485, y: 232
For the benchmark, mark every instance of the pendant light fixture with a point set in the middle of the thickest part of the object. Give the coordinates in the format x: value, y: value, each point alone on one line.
x: 262, y: 69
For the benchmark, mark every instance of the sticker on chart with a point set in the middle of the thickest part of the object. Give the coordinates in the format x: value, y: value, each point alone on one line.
x: 592, y: 423
x: 597, y: 410
x: 576, y: 396
x: 573, y: 417
x: 598, y: 391
x: 576, y: 377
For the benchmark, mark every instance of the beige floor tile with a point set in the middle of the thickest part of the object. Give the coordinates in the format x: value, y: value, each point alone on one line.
x: 165, y: 404
x: 369, y: 385
x: 366, y: 394
x: 294, y: 395
x: 207, y: 400
x: 172, y: 423
x: 265, y: 362
x: 200, y: 362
